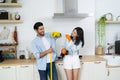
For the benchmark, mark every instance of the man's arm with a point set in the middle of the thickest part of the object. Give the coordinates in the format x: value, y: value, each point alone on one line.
x: 49, y: 51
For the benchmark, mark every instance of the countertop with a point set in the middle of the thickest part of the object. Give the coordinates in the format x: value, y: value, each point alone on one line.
x: 91, y: 58
x: 87, y: 58
x: 14, y: 62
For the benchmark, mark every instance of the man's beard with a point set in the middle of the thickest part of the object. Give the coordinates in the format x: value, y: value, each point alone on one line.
x: 41, y: 34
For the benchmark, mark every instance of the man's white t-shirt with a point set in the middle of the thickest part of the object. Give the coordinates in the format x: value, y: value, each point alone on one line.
x: 47, y: 46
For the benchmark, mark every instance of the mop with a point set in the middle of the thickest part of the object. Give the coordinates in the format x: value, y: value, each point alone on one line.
x: 54, y: 35
x: 51, y: 66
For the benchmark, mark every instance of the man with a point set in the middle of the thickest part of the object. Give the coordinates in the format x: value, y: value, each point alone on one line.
x: 42, y: 46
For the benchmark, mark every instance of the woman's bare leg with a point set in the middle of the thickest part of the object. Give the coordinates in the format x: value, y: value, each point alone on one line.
x: 69, y: 74
x: 75, y: 74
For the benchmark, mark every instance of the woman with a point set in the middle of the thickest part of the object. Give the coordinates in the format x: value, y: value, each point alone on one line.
x: 71, y: 61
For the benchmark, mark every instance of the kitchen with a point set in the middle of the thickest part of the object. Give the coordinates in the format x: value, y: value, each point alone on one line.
x: 39, y: 10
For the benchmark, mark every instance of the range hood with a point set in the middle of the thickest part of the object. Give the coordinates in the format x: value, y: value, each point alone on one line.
x: 70, y: 10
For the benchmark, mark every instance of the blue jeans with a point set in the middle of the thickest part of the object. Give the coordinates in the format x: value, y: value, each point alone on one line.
x: 45, y: 73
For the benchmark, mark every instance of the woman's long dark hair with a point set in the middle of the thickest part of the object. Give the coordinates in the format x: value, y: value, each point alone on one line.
x: 80, y: 36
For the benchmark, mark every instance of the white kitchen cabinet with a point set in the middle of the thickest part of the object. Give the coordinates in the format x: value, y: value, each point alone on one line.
x: 93, y: 70
x: 24, y: 72
x: 113, y: 73
x: 36, y: 73
x: 83, y: 75
x: 61, y: 72
x: 7, y: 73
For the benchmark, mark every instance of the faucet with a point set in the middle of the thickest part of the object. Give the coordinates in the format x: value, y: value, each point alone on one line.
x: 110, y: 47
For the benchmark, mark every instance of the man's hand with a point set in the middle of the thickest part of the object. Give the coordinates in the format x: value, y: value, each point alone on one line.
x: 49, y: 51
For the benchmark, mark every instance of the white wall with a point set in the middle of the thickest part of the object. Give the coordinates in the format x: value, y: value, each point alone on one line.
x: 43, y: 10
x: 109, y: 6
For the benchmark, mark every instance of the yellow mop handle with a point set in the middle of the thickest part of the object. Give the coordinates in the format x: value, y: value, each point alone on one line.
x: 51, y: 66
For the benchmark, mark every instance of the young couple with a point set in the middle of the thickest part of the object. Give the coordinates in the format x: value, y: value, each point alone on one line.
x: 44, y: 45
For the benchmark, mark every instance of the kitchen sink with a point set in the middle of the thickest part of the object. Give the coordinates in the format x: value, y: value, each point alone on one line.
x: 112, y: 60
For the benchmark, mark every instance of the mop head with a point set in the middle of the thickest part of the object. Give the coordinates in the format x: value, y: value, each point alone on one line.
x: 55, y: 34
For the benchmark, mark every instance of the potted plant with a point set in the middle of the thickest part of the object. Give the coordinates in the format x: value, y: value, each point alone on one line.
x: 101, y: 31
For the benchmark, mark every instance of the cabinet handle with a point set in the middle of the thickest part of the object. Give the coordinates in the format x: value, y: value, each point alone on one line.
x: 82, y: 63
x: 108, y: 73
x: 8, y: 67
x: 97, y: 62
x: 24, y: 66
x: 61, y: 64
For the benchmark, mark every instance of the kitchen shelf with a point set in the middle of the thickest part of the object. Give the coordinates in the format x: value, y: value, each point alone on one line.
x: 8, y: 21
x: 6, y: 44
x: 10, y: 4
x: 11, y: 21
x: 10, y: 51
x: 112, y: 22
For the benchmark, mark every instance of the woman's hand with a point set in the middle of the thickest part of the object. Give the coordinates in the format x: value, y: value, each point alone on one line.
x: 63, y: 52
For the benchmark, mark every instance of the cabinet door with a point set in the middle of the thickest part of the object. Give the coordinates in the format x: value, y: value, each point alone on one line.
x: 98, y: 70
x: 93, y: 70
x: 61, y: 72
x: 25, y: 72
x: 36, y: 73
x: 7, y: 73
x: 113, y: 73
x: 84, y: 71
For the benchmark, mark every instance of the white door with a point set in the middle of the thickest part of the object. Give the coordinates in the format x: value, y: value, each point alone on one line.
x: 25, y: 72
x: 61, y: 72
x: 113, y: 73
x: 7, y: 73
x: 93, y: 70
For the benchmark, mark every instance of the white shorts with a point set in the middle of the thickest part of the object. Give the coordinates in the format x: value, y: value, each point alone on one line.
x: 71, y: 62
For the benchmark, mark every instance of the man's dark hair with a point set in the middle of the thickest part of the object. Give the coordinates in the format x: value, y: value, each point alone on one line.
x: 37, y: 25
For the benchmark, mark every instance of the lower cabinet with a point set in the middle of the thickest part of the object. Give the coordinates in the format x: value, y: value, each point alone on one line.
x: 61, y: 72
x: 36, y: 73
x: 93, y: 70
x: 24, y: 72
x: 7, y: 73
x: 19, y: 72
x: 88, y: 71
x: 113, y: 73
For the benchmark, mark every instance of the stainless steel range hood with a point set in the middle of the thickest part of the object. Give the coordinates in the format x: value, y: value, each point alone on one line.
x: 70, y: 10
